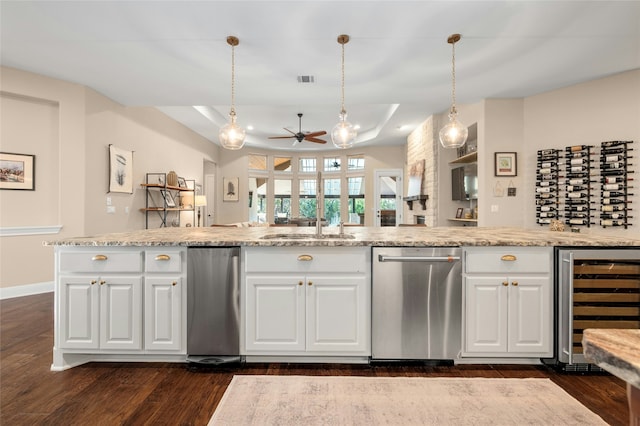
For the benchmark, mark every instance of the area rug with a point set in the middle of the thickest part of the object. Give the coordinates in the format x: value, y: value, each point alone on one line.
x: 304, y: 400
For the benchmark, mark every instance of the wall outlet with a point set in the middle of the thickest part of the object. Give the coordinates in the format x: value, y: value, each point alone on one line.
x: 111, y: 209
x: 108, y: 201
x: 494, y: 208
x: 126, y: 210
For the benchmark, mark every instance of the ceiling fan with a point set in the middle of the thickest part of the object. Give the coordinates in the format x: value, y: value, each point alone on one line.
x: 309, y: 137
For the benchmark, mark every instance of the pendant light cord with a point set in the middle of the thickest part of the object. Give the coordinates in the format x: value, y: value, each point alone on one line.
x: 233, y: 80
x: 453, y: 78
x: 343, y: 110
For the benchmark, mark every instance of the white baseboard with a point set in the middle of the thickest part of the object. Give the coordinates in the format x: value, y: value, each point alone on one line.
x: 26, y: 290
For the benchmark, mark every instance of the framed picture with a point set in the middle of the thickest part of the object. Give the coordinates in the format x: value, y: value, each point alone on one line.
x: 120, y: 170
x: 506, y: 164
x: 17, y: 171
x: 182, y: 183
x: 230, y: 189
x: 459, y: 213
x: 168, y: 198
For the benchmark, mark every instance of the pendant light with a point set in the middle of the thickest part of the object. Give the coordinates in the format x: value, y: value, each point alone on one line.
x: 453, y: 134
x: 231, y: 135
x: 343, y: 134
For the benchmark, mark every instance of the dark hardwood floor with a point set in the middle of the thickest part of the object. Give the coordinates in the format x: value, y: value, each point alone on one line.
x: 162, y: 393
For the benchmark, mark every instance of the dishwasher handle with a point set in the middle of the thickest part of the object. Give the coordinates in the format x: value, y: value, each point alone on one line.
x: 449, y: 259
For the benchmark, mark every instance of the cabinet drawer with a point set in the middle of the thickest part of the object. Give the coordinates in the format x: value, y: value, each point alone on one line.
x: 306, y: 259
x: 508, y: 260
x: 100, y: 261
x: 163, y: 260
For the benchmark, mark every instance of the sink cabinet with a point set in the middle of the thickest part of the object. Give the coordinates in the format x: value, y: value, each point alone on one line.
x: 293, y: 307
x: 508, y: 302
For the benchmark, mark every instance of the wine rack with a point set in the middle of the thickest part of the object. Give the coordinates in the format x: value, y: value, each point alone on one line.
x: 547, y: 202
x: 571, y: 183
x: 578, y: 206
x: 614, y: 183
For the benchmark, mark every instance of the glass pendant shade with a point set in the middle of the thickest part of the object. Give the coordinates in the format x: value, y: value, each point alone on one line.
x: 344, y: 133
x: 231, y: 135
x: 453, y: 134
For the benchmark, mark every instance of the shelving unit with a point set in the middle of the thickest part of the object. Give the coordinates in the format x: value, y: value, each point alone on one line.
x: 472, y: 157
x: 155, y: 201
x: 614, y: 183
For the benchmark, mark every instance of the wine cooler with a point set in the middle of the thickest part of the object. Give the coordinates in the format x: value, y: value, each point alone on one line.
x: 597, y: 288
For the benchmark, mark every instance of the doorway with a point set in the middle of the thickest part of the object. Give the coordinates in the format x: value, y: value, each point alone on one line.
x: 210, y: 192
x: 388, y: 197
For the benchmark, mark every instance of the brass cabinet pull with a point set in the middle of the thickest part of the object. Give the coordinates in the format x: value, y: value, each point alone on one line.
x: 163, y: 257
x: 99, y: 257
x: 515, y: 283
x: 102, y: 282
x: 508, y: 258
x: 299, y: 282
x: 310, y: 282
x: 174, y: 283
x: 93, y: 282
x: 505, y: 283
x: 305, y: 257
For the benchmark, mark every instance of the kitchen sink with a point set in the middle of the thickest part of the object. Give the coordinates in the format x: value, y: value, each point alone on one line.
x: 307, y: 237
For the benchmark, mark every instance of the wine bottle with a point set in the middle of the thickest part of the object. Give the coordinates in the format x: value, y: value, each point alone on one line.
x: 580, y: 169
x: 547, y: 177
x: 546, y: 209
x: 576, y: 195
x: 614, y: 143
x: 545, y: 171
x: 547, y: 214
x: 577, y: 161
x: 576, y: 201
x: 545, y: 195
x: 609, y: 194
x: 611, y: 222
x: 576, y: 208
x: 606, y: 151
x: 545, y: 202
x: 577, y: 221
x: 575, y: 148
x: 615, y: 165
x: 546, y: 183
x: 614, y: 208
x: 547, y: 151
x: 614, y: 216
x: 608, y: 158
x: 543, y: 221
x: 546, y: 165
x: 573, y: 188
x: 613, y: 201
x: 613, y: 179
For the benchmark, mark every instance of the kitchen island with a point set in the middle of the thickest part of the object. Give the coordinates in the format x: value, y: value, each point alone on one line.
x: 122, y: 296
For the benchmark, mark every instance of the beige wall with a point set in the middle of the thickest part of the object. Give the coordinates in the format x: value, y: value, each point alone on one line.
x: 69, y: 127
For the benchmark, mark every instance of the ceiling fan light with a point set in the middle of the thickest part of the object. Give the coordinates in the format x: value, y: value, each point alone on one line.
x: 454, y: 133
x: 231, y: 135
x: 344, y: 133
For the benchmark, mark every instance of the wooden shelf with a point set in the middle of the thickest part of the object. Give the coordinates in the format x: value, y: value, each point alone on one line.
x: 453, y: 219
x: 466, y: 159
x: 173, y: 188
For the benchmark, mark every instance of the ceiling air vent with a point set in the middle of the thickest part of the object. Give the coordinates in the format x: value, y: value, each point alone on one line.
x: 306, y: 79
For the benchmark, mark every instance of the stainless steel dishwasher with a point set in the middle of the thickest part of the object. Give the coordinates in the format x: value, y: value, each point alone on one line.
x: 416, y: 303
x: 213, y: 305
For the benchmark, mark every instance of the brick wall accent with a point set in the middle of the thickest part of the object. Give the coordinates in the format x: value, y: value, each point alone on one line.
x: 422, y: 145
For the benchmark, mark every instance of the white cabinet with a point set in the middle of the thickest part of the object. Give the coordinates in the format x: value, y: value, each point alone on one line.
x: 293, y: 307
x: 508, y: 301
x: 119, y: 300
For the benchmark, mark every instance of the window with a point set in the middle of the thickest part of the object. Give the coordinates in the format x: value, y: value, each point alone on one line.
x: 282, y: 164
x: 282, y: 200
x: 307, y: 165
x: 332, y: 164
x: 257, y: 162
x: 332, y: 201
x: 355, y: 162
x: 356, y: 199
x: 257, y: 200
x: 307, y: 198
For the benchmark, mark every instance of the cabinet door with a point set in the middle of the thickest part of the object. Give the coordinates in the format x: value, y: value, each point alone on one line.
x: 121, y: 312
x: 530, y: 318
x: 337, y: 314
x: 78, y: 312
x: 486, y: 314
x: 163, y: 313
x: 275, y: 317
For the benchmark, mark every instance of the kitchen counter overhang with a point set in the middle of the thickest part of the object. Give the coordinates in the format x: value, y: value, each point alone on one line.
x: 362, y: 236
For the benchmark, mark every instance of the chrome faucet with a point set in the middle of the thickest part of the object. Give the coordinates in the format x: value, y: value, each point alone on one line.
x: 319, y: 204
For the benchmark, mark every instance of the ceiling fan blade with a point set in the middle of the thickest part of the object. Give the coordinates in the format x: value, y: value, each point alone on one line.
x: 314, y: 140
x: 281, y: 137
x: 290, y: 131
x: 318, y: 133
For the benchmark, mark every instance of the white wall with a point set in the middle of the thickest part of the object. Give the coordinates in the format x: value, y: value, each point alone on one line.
x: 69, y: 127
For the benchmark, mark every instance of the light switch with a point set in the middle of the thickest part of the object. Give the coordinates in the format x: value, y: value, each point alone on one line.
x: 108, y: 201
x: 111, y: 209
x: 494, y: 208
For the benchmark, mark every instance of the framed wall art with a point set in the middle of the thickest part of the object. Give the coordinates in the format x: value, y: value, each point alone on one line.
x: 120, y: 170
x: 168, y: 198
x: 506, y: 164
x: 17, y: 171
x: 230, y: 189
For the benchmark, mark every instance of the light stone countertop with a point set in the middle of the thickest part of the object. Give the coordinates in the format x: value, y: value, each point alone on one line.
x: 615, y: 350
x: 362, y: 236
